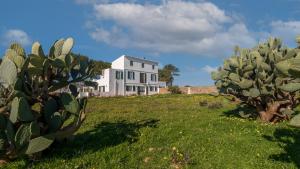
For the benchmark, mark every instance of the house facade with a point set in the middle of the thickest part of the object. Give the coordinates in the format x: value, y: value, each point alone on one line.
x: 129, y: 76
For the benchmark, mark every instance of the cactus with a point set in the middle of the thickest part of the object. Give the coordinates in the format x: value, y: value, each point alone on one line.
x: 33, y: 80
x: 291, y: 68
x: 295, y: 121
x: 266, y: 77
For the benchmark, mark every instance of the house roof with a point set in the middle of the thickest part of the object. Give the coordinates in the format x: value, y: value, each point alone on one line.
x: 136, y: 59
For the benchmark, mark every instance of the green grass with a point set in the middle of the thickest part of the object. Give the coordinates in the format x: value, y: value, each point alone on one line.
x: 171, y: 131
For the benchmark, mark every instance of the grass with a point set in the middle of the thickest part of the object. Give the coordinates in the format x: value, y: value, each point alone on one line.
x: 171, y: 131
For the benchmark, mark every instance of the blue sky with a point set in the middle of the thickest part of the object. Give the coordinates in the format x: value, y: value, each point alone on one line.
x: 196, y: 36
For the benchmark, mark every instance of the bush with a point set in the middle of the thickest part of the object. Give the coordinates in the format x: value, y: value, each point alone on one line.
x: 33, y: 113
x: 211, y: 104
x: 203, y: 103
x: 215, y: 105
x: 265, y: 77
x: 174, y: 90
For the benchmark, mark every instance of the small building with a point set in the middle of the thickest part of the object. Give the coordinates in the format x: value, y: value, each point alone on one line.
x: 162, y: 84
x: 129, y: 76
x: 85, y: 91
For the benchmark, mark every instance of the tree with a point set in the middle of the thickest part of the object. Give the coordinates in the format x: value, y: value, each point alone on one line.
x: 265, y: 77
x: 167, y: 74
x: 98, y: 65
x: 174, y: 90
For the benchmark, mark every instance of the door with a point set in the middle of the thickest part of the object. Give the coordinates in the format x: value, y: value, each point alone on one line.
x: 147, y: 90
x: 143, y: 78
x: 141, y: 90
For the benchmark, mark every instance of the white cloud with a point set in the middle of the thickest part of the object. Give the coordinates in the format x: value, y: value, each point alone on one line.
x: 90, y: 1
x: 209, y: 69
x: 16, y: 35
x: 114, y: 36
x: 83, y: 2
x: 199, y: 28
x: 177, y: 26
x: 286, y: 30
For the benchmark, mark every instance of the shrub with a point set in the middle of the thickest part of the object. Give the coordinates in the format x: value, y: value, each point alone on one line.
x: 174, y: 90
x: 32, y: 113
x: 265, y: 77
x: 211, y: 104
x: 215, y: 105
x: 203, y: 103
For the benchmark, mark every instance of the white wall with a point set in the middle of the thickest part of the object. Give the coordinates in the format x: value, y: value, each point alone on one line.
x: 112, y: 85
x: 104, y: 80
x: 137, y: 78
x: 118, y: 86
x: 137, y: 68
x: 137, y: 65
x: 118, y: 63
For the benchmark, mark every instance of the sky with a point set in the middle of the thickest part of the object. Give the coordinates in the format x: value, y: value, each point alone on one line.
x: 194, y: 35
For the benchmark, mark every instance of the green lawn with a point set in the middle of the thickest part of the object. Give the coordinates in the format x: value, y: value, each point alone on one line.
x: 171, y: 131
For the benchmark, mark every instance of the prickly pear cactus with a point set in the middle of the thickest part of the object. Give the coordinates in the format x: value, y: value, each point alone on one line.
x: 33, y: 113
x: 265, y: 77
x: 291, y: 69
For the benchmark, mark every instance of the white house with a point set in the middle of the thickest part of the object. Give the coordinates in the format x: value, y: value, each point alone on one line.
x: 129, y: 76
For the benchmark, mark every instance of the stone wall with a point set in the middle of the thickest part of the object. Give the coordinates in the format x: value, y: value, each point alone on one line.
x: 163, y: 91
x: 192, y: 90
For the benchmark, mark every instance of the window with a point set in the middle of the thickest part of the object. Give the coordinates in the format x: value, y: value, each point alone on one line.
x: 131, y: 63
x: 101, y: 88
x: 143, y: 65
x: 153, y: 77
x: 141, y: 89
x: 156, y: 88
x: 130, y: 75
x: 151, y: 88
x: 153, y: 66
x: 143, y: 78
x: 128, y: 88
x: 133, y: 88
x: 119, y: 75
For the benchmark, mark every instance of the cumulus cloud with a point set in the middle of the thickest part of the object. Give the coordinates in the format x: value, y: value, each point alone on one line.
x: 90, y: 1
x: 286, y: 30
x: 209, y: 69
x: 199, y: 28
x: 177, y: 26
x: 84, y: 2
x: 16, y: 35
